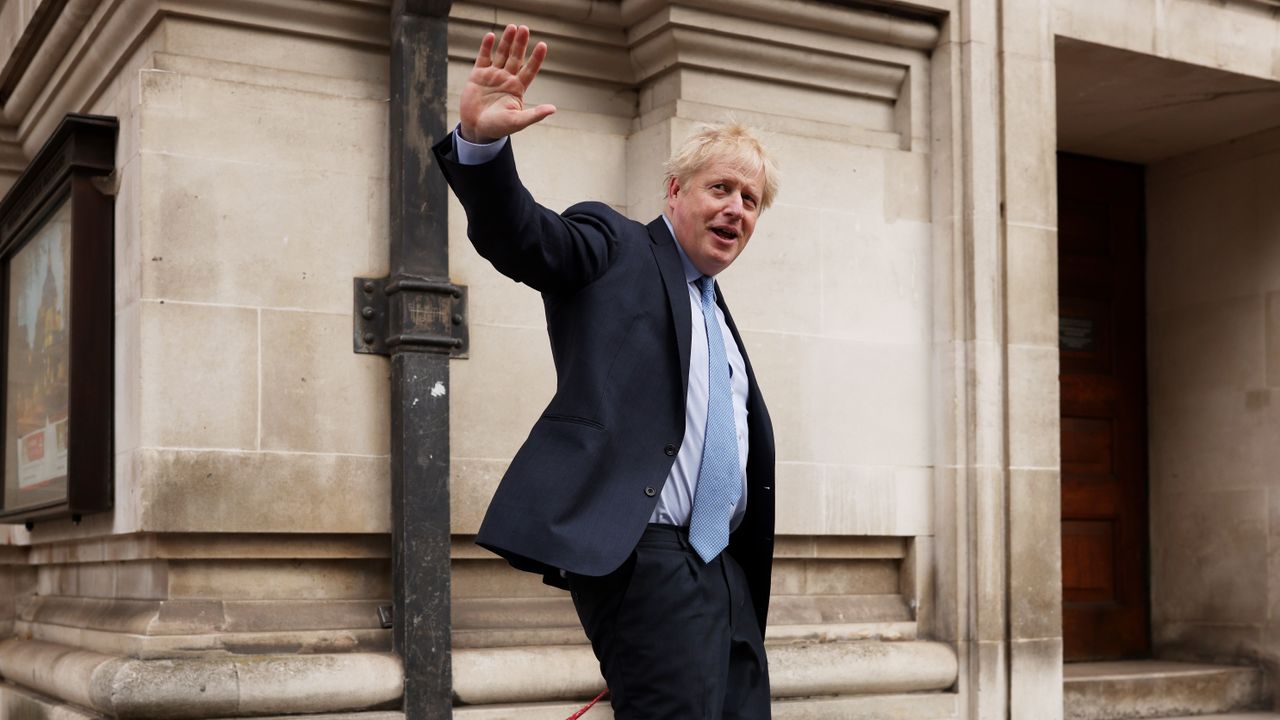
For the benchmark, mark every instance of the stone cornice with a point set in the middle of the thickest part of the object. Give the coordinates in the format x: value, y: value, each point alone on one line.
x: 679, y: 38
x: 865, y: 53
x: 862, y: 24
x: 90, y: 40
x: 624, y: 43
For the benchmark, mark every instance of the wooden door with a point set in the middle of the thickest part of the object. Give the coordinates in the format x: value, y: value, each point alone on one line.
x: 1101, y: 336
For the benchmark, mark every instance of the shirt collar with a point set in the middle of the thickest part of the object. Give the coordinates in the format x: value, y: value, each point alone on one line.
x: 691, y: 273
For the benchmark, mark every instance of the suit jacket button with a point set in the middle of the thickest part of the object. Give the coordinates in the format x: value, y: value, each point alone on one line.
x: 670, y: 450
x: 649, y: 491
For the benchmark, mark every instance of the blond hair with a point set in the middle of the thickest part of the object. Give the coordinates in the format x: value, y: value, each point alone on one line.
x: 732, y: 143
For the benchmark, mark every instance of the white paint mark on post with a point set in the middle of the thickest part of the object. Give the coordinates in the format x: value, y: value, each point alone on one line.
x: 437, y: 390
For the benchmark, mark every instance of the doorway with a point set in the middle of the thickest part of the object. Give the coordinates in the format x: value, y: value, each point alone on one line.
x: 1102, y: 353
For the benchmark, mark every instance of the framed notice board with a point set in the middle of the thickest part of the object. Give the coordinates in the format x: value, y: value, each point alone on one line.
x: 56, y: 309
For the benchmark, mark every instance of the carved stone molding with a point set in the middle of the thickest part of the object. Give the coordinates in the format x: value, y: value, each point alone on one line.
x: 230, y: 686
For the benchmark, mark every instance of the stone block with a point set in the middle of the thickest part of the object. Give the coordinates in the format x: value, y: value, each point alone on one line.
x: 1205, y: 641
x: 203, y: 359
x: 500, y: 391
x: 97, y: 580
x: 952, y: 552
x: 1273, y: 339
x: 845, y: 402
x: 492, y: 577
x: 275, y: 50
x: 917, y: 584
x: 529, y: 674
x: 258, y: 125
x: 1273, y: 567
x: 908, y: 191
x: 827, y: 174
x: 1031, y: 254
x: 647, y: 150
x: 1130, y: 25
x: 128, y: 233
x: 1239, y: 38
x: 1217, y: 439
x: 1035, y: 679
x: 1026, y: 28
x: 835, y: 577
x: 1209, y: 560
x: 778, y: 284
x: 875, y: 279
x: 1034, y: 408
x: 801, y: 499
x: 541, y: 151
x: 317, y: 395
x: 855, y: 500
x: 1035, y: 556
x: 989, y: 683
x: 1097, y: 690
x: 841, y: 105
x: 1217, y: 200
x: 915, y: 706
x: 127, y: 372
x: 493, y: 298
x: 990, y: 550
x: 1030, y: 142
x: 142, y: 580
x: 1208, y: 346
x: 57, y: 580
x: 279, y: 579
x: 193, y: 491
x: 860, y: 668
x: 472, y: 484
x: 227, y: 231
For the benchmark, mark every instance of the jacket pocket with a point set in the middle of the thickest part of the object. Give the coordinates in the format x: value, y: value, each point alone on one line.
x: 553, y: 417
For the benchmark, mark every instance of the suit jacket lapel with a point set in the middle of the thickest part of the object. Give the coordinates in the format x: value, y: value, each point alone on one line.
x: 664, y: 251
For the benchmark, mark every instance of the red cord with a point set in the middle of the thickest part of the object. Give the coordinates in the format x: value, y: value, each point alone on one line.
x: 583, y: 711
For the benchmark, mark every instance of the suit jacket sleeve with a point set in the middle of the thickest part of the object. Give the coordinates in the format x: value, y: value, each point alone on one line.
x: 552, y: 253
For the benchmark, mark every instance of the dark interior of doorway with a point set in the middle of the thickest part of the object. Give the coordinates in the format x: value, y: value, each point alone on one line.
x: 1102, y: 350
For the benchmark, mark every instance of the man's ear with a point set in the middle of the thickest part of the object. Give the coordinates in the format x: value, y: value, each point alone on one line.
x: 673, y: 189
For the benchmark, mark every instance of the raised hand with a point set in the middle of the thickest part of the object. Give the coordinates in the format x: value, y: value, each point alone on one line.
x: 492, y: 104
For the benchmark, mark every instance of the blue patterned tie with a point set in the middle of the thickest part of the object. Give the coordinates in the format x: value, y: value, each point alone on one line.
x: 720, y: 478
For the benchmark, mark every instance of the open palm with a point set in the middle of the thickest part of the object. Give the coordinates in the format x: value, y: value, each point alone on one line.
x: 492, y: 104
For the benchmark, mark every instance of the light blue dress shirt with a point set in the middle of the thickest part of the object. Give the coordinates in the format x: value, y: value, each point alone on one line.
x: 675, y: 503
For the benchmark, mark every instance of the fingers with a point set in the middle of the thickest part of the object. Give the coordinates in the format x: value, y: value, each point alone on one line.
x: 518, y: 45
x: 504, y: 46
x: 531, y: 68
x: 484, y: 58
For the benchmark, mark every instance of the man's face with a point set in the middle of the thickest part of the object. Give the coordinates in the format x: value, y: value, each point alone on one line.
x: 714, y: 213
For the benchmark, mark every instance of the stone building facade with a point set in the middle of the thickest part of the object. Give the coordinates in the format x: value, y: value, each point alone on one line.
x: 972, y: 496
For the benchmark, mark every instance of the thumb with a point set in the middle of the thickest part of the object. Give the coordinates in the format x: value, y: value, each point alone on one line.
x: 529, y: 116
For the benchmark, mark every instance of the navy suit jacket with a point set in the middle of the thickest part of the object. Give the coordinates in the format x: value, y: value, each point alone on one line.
x: 580, y: 491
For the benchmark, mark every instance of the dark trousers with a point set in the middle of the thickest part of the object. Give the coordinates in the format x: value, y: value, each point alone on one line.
x: 677, y: 639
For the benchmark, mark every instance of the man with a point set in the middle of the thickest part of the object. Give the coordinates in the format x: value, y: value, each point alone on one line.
x: 646, y: 487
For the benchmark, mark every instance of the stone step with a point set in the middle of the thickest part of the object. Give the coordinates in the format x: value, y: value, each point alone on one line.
x: 1231, y: 716
x: 1158, y: 689
x: 915, y: 706
x: 568, y: 673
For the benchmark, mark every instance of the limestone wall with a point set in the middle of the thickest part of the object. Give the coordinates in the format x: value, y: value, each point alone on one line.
x: 251, y: 473
x: 1214, y: 356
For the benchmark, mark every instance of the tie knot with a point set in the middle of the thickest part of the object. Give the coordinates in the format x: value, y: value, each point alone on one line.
x: 707, y: 286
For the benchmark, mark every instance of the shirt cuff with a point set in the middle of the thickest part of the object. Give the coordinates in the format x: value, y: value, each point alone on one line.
x: 470, y: 153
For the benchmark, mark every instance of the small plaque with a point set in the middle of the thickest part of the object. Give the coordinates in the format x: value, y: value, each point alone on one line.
x: 1077, y: 334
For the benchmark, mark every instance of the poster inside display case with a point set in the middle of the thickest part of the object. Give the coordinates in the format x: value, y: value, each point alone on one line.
x: 56, y: 259
x: 38, y: 364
